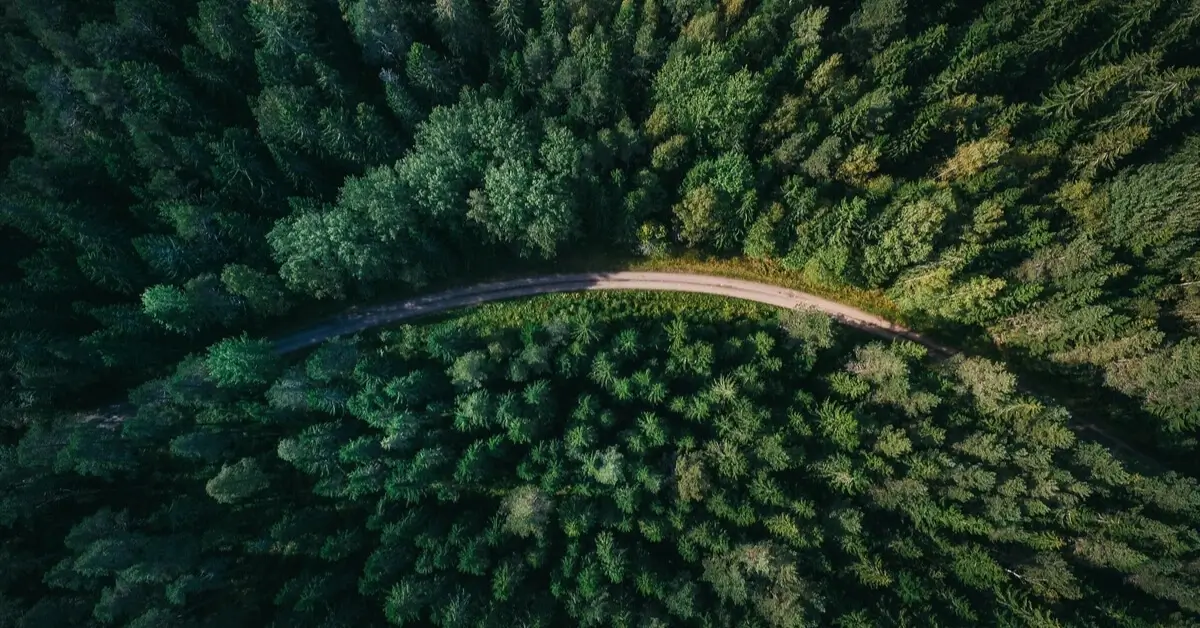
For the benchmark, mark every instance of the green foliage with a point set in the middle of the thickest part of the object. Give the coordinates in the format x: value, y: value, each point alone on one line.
x: 811, y: 331
x: 242, y: 362
x: 200, y: 304
x: 174, y: 173
x: 938, y: 154
x: 1154, y: 212
x: 237, y: 482
x: 453, y: 148
x: 263, y: 292
x: 1167, y: 378
x: 718, y: 196
x: 522, y: 204
x: 525, y: 511
x: 706, y: 97
x: 371, y: 235
x: 587, y: 458
x: 874, y: 25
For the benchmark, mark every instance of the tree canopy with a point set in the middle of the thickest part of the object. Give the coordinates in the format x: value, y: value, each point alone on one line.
x: 180, y: 180
x: 592, y: 461
x: 181, y: 172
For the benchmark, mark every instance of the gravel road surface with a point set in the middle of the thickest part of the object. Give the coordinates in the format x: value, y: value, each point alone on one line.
x: 375, y: 316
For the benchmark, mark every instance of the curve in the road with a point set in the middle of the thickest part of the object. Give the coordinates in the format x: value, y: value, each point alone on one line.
x: 768, y: 294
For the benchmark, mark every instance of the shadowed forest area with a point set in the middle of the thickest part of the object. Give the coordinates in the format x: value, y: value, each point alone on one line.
x: 1013, y: 173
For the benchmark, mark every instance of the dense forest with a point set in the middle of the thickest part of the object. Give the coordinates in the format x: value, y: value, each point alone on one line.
x: 181, y: 179
x: 175, y: 172
x: 597, y: 465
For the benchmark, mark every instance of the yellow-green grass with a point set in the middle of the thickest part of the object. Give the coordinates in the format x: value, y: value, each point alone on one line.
x: 604, y: 305
x: 770, y: 272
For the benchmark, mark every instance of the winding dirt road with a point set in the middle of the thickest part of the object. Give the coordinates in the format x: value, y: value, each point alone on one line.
x: 375, y: 316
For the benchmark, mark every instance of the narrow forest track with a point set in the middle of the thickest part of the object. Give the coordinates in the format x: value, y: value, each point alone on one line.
x: 358, y: 319
x: 365, y: 318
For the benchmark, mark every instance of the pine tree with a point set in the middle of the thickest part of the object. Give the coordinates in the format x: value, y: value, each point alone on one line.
x: 242, y: 362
